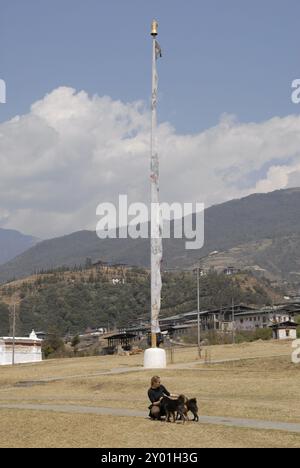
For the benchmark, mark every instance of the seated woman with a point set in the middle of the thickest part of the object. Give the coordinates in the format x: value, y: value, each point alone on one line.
x: 156, y: 394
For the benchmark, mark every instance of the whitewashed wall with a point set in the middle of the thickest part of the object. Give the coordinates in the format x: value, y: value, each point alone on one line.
x: 23, y: 354
x: 282, y: 335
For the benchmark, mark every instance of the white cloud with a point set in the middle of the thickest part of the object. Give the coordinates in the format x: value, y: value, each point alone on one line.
x: 71, y: 152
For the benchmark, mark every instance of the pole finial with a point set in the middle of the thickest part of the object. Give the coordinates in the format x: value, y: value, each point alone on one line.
x: 154, y: 28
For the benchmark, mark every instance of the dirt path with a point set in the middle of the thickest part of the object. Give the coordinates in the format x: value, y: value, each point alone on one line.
x: 216, y: 420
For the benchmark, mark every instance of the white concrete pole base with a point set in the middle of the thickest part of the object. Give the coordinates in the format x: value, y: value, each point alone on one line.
x: 155, y: 358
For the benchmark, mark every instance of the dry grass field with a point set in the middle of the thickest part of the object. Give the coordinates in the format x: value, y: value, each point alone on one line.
x: 264, y: 384
x: 36, y: 429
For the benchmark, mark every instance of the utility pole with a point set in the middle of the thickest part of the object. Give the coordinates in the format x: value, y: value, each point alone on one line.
x: 233, y: 321
x: 198, y: 299
x: 14, y: 334
x: 198, y: 311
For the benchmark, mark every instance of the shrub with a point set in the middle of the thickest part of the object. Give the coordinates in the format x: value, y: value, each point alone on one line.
x: 250, y: 336
x: 53, y: 346
x: 263, y: 334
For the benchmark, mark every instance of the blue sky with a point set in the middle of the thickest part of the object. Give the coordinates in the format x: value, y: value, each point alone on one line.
x: 228, y: 127
x: 232, y: 56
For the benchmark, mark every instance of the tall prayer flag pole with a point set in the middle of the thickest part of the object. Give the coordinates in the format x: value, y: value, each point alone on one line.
x: 154, y: 357
x: 156, y: 229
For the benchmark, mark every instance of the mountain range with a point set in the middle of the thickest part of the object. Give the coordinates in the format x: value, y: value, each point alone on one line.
x: 260, y: 232
x: 13, y: 243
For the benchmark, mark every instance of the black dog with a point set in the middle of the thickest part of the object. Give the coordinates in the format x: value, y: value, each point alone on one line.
x: 171, y: 407
x: 192, y: 406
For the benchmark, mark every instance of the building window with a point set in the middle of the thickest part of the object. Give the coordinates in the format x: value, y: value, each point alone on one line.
x: 287, y: 332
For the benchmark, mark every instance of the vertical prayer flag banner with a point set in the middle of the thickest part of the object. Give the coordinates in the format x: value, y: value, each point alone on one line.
x: 157, y: 50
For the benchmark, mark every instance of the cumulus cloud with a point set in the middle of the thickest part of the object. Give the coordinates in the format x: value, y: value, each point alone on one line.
x: 72, y: 151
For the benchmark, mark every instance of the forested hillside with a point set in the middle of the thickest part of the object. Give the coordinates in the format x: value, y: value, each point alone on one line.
x: 72, y: 301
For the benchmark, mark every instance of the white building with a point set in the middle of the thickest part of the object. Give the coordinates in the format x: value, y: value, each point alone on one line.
x: 285, y: 330
x: 249, y: 321
x: 26, y: 350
